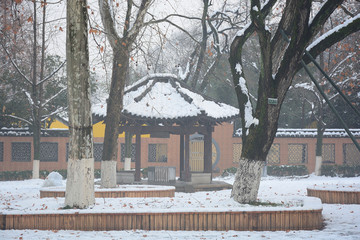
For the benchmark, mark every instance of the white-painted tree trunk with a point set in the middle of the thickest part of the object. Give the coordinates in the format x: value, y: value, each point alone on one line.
x: 80, y: 173
x: 36, y: 169
x: 127, y: 164
x: 108, y: 174
x: 247, y: 181
x: 318, y: 163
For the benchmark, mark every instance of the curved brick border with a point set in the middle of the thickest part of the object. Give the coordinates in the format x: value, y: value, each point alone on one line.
x: 117, y: 194
x: 172, y: 221
x: 335, y: 197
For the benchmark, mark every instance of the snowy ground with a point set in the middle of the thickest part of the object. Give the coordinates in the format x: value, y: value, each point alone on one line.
x: 342, y: 221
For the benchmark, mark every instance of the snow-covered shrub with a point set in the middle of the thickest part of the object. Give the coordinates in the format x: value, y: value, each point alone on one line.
x: 53, y: 179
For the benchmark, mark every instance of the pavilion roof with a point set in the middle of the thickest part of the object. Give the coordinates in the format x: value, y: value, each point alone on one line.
x: 162, y: 97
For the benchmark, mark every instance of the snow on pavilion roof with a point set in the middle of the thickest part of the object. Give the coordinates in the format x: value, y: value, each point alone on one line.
x: 163, y: 96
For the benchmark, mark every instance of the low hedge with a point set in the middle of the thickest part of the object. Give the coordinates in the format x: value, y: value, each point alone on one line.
x: 340, y: 170
x: 283, y: 170
x: 287, y: 170
x: 22, y: 175
x: 229, y: 171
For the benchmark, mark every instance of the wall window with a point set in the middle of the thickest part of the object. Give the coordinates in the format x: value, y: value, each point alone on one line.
x: 122, y: 152
x: 98, y: 149
x: 351, y: 154
x: 328, y: 153
x: 1, y: 151
x: 297, y: 153
x: 273, y: 156
x: 237, y: 147
x: 48, y: 152
x: 21, y: 152
x: 157, y: 152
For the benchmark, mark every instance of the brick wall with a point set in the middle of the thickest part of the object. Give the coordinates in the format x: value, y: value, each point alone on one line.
x: 222, y: 136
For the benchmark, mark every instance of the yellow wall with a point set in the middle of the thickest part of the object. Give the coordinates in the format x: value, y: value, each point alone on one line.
x: 56, y: 124
x: 98, y: 128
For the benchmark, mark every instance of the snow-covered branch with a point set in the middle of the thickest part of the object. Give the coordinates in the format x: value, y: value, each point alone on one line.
x: 57, y: 111
x: 53, y: 97
x: 51, y: 74
x: 28, y: 97
x: 333, y: 36
x: 18, y: 118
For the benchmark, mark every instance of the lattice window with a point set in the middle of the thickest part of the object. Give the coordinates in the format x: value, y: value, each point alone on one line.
x: 157, y: 152
x: 48, y: 152
x: 297, y: 153
x: 21, y: 151
x: 351, y: 154
x: 273, y: 156
x: 98, y: 149
x: 1, y: 151
x: 122, y: 152
x: 328, y: 153
x: 237, y: 147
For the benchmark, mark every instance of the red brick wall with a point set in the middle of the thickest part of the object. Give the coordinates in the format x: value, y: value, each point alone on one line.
x: 223, y: 135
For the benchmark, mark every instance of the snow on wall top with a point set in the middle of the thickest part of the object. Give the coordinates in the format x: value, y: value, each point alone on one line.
x: 163, y: 96
x: 309, y: 133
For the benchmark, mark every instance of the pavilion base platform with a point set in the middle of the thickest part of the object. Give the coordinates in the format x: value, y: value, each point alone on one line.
x: 189, y: 187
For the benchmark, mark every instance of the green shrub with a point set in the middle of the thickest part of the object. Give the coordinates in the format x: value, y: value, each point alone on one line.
x: 144, y: 172
x: 22, y: 175
x: 229, y: 171
x: 340, y: 170
x: 287, y: 170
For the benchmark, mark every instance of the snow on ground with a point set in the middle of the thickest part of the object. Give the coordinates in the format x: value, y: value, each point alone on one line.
x: 342, y: 221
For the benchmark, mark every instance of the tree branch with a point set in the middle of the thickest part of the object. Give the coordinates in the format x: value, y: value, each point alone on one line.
x: 53, y: 97
x: 319, y: 20
x: 15, y: 66
x: 51, y: 74
x: 108, y: 23
x: 333, y: 36
x: 19, y: 118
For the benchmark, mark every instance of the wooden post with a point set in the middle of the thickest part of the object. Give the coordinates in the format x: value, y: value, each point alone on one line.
x: 181, y: 156
x: 208, y: 150
x: 138, y: 157
x: 187, y: 176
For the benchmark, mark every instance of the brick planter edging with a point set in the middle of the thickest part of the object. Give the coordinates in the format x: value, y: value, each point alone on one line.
x: 172, y: 221
x: 335, y: 197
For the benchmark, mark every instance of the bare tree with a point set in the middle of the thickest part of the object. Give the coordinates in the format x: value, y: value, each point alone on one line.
x: 121, y: 45
x: 34, y: 83
x: 280, y: 60
x: 80, y: 174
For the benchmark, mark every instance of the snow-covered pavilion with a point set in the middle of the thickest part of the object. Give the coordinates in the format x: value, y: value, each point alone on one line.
x: 160, y: 105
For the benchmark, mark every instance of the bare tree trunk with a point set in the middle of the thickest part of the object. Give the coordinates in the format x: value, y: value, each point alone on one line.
x: 319, y: 141
x: 36, y: 127
x: 80, y: 175
x: 121, y: 47
x: 114, y: 107
x: 202, y: 45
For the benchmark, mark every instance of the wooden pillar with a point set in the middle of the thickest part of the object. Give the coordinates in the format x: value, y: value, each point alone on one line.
x: 187, y: 177
x: 138, y: 157
x: 182, y: 156
x: 208, y: 150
